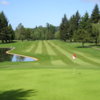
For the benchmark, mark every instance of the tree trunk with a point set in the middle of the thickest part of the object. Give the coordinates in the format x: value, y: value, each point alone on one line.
x: 83, y: 44
x: 6, y: 41
x: 2, y: 41
x: 96, y: 42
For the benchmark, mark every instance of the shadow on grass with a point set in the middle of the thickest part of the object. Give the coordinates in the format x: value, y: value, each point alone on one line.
x: 84, y: 46
x: 88, y: 46
x: 8, y: 42
x: 19, y: 94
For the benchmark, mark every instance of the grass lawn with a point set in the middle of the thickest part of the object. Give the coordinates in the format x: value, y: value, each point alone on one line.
x: 56, y: 76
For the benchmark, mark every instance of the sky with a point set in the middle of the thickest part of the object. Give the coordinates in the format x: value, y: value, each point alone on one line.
x: 32, y: 13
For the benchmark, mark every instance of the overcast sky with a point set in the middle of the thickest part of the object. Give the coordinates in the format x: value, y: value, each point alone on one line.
x: 38, y: 12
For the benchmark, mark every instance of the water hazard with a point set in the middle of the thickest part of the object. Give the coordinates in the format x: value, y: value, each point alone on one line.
x: 12, y: 58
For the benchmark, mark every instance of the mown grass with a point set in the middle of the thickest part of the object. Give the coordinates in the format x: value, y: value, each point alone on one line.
x: 51, y: 84
x: 55, y: 76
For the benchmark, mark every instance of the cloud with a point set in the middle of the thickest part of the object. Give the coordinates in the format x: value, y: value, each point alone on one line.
x: 3, y: 2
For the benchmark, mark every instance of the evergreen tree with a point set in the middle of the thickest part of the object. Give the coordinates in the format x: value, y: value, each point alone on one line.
x: 64, y: 29
x: 50, y: 31
x: 95, y: 16
x: 74, y: 24
x: 81, y: 35
x: 86, y: 25
x: 3, y: 27
x: 96, y: 33
x: 77, y: 20
x: 11, y: 33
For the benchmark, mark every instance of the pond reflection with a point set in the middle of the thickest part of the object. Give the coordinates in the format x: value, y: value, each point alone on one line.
x: 13, y: 58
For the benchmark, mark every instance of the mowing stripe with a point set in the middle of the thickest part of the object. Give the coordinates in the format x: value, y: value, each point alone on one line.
x: 60, y: 56
x: 44, y: 49
x: 83, y: 56
x: 53, y: 55
x: 90, y: 58
x: 30, y: 48
x: 45, y: 55
x: 39, y: 48
x: 49, y: 49
x: 69, y: 55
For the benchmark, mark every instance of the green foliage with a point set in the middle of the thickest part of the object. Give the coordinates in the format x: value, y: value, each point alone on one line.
x: 96, y: 33
x: 77, y: 23
x: 74, y: 24
x: 64, y: 29
x: 20, y: 32
x: 57, y: 35
x: 11, y: 33
x: 95, y: 16
x: 6, y: 31
x: 50, y: 31
x: 84, y: 33
x: 38, y: 33
x: 81, y: 35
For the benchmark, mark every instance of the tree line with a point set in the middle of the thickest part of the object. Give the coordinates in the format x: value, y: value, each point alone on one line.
x: 37, y: 33
x: 81, y: 29
x: 75, y: 29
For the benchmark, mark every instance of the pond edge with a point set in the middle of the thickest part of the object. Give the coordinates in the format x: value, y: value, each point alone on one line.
x: 9, y: 52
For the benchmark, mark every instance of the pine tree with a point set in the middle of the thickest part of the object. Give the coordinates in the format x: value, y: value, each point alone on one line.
x: 74, y: 24
x: 77, y: 19
x: 3, y: 27
x: 95, y: 16
x: 83, y: 34
x: 86, y: 25
x: 96, y: 33
x: 64, y: 29
x: 11, y: 33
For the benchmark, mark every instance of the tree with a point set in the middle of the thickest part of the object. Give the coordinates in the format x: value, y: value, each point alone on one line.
x: 96, y: 33
x: 77, y: 20
x: 95, y: 16
x: 82, y: 36
x: 64, y: 29
x: 57, y: 35
x: 28, y: 32
x: 3, y: 27
x: 11, y: 33
x: 50, y: 31
x: 87, y: 26
x: 20, y: 32
x: 74, y: 24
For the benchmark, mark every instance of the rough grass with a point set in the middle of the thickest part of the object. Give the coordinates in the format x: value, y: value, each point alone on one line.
x: 56, y: 76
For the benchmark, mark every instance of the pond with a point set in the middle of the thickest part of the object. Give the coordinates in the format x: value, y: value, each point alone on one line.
x: 12, y: 58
